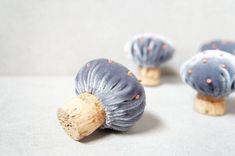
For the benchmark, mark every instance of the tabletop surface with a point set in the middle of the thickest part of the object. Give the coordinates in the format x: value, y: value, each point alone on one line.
x: 169, y: 126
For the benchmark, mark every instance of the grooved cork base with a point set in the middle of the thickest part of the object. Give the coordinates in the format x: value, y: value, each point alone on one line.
x: 81, y: 116
x: 149, y: 76
x: 209, y: 105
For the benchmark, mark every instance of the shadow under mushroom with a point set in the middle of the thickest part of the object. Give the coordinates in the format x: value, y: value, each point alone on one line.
x: 231, y: 105
x: 97, y: 135
x: 169, y: 75
x: 147, y: 123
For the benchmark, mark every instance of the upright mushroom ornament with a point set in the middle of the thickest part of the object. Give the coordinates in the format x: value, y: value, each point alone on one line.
x: 212, y: 74
x: 108, y: 96
x: 149, y: 51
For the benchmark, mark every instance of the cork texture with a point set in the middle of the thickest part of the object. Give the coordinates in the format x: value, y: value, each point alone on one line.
x: 149, y: 76
x: 81, y: 116
x: 209, y: 105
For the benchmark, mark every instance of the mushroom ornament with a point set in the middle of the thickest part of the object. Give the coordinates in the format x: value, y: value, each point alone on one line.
x: 223, y: 45
x: 212, y: 74
x: 149, y: 52
x: 108, y: 96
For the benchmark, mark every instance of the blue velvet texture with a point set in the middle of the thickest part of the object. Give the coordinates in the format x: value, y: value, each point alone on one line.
x: 148, y: 50
x: 222, y: 45
x: 211, y: 73
x: 122, y: 96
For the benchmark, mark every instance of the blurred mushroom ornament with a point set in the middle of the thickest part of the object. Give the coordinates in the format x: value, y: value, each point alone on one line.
x: 223, y: 45
x: 109, y: 96
x: 212, y: 74
x: 149, y: 52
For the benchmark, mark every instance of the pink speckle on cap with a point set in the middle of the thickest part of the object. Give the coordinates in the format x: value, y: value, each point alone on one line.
x: 214, y: 46
x: 149, y: 50
x: 209, y: 81
x: 205, y: 60
x: 164, y: 46
x: 223, y: 66
x: 190, y: 71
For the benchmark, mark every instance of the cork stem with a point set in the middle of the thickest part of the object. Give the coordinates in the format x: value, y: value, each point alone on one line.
x: 209, y: 105
x: 81, y: 116
x: 149, y: 76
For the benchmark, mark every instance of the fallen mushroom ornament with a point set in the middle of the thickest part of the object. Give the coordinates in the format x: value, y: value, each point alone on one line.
x: 149, y: 52
x: 108, y: 96
x: 223, y: 45
x: 212, y: 74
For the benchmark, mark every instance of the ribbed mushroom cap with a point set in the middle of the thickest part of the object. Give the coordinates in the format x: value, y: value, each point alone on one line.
x: 149, y: 50
x: 119, y: 91
x: 211, y: 73
x: 223, y: 45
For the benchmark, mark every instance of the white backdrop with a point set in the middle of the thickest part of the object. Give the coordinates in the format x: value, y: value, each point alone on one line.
x: 55, y: 37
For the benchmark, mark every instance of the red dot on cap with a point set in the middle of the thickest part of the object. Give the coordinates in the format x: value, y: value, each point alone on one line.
x: 164, y: 46
x: 136, y: 97
x: 189, y: 71
x: 149, y: 50
x: 110, y: 61
x: 129, y: 73
x: 205, y: 60
x: 214, y: 46
x: 223, y: 66
x: 209, y: 81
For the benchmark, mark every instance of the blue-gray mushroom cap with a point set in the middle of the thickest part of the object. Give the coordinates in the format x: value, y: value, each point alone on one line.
x: 119, y: 91
x: 223, y: 45
x: 149, y: 50
x: 211, y: 73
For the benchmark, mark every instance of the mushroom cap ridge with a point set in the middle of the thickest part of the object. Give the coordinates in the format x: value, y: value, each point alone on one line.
x: 149, y: 50
x: 122, y: 96
x: 211, y: 73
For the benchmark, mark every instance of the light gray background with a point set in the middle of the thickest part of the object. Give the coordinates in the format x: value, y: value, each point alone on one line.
x: 58, y: 36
